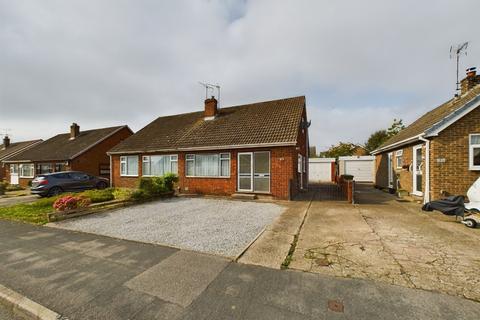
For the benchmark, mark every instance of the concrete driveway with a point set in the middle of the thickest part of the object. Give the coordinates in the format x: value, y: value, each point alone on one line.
x: 392, y: 241
x: 217, y: 226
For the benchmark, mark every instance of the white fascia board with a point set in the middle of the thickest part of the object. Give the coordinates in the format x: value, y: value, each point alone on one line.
x: 453, y: 117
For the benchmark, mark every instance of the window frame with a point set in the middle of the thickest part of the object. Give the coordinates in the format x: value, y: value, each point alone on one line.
x: 124, y: 159
x: 20, y: 170
x: 193, y: 157
x: 149, y: 157
x: 471, y: 147
x: 398, y: 156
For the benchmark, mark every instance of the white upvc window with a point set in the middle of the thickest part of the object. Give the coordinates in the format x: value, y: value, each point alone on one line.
x: 399, y: 159
x: 474, y: 151
x: 129, y: 166
x: 207, y: 165
x: 158, y: 165
x: 27, y: 170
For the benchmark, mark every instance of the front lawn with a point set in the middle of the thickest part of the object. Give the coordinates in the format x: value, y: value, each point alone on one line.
x: 35, y: 212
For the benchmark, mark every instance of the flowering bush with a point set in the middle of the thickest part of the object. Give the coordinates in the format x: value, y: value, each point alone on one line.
x: 71, y: 202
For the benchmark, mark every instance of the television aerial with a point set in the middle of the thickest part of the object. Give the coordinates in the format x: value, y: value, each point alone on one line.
x: 455, y: 53
x: 211, y: 87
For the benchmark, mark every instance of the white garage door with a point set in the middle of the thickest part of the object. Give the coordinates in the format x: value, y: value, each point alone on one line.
x: 361, y: 170
x: 319, y: 170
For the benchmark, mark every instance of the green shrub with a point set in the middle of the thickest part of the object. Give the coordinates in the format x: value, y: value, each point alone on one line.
x: 169, y: 181
x: 153, y: 186
x: 122, y: 193
x: 97, y: 196
x: 3, y: 187
x: 14, y: 187
x: 140, y: 195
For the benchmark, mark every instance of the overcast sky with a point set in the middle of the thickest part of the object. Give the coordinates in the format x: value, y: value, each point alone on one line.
x: 102, y: 63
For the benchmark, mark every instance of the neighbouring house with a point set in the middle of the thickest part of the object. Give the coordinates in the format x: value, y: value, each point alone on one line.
x: 438, y: 154
x: 78, y: 150
x: 259, y: 148
x: 9, y: 149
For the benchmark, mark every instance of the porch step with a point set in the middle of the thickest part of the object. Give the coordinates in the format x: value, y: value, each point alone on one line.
x: 244, y: 196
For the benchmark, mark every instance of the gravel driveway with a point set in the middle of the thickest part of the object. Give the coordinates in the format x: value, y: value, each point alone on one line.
x: 221, y: 227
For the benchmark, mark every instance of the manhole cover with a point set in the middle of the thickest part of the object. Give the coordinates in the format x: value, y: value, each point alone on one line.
x: 335, y: 306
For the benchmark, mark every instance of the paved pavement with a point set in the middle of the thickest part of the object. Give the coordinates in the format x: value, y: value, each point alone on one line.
x: 85, y: 276
x: 390, y: 241
x: 216, y: 226
x: 10, y: 201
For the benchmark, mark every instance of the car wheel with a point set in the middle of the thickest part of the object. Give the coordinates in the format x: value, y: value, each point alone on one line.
x: 102, y: 185
x: 55, y: 191
x: 470, y: 223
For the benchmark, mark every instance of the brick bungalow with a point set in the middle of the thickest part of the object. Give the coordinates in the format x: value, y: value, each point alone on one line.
x: 78, y: 150
x: 256, y: 149
x: 8, y: 150
x: 438, y: 154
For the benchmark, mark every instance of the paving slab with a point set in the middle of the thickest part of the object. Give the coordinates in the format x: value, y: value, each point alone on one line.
x: 82, y: 283
x: 271, y: 248
x: 180, y: 278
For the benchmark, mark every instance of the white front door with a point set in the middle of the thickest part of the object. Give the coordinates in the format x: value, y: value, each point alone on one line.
x: 14, y: 174
x: 417, y: 171
x: 390, y: 170
x: 254, y: 171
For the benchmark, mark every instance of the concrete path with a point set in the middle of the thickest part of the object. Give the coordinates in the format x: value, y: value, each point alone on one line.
x: 84, y: 276
x: 10, y: 201
x: 385, y: 240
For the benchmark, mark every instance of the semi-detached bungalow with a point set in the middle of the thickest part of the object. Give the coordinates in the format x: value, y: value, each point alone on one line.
x: 438, y: 154
x: 75, y: 151
x: 9, y: 149
x: 258, y: 149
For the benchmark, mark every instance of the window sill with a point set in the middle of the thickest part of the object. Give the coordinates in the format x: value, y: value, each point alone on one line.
x: 125, y: 176
x: 22, y: 177
x: 477, y: 168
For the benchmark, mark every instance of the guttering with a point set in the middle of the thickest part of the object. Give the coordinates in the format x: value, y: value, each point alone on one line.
x: 242, y: 146
x: 426, y: 195
x: 397, y: 144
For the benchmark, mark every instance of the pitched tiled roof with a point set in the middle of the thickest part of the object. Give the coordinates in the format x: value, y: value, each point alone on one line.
x: 16, y: 147
x: 60, y: 147
x: 270, y: 122
x: 432, y: 117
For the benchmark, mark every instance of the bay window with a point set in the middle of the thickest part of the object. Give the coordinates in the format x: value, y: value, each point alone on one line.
x: 27, y: 170
x: 474, y: 151
x: 207, y: 165
x: 159, y: 165
x: 129, y: 166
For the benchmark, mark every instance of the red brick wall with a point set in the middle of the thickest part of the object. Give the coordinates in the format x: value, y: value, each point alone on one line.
x: 402, y: 178
x: 453, y: 176
x: 282, y: 160
x: 91, y: 160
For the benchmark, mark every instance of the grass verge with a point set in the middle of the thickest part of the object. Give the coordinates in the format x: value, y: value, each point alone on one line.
x: 35, y: 212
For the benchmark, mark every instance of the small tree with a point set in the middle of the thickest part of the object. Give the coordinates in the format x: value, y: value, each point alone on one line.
x: 395, y: 128
x: 376, y: 139
x: 340, y: 150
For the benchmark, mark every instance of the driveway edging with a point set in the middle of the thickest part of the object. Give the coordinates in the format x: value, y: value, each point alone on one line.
x: 24, y: 306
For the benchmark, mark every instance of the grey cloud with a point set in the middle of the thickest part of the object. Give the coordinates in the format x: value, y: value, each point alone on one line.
x: 108, y: 62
